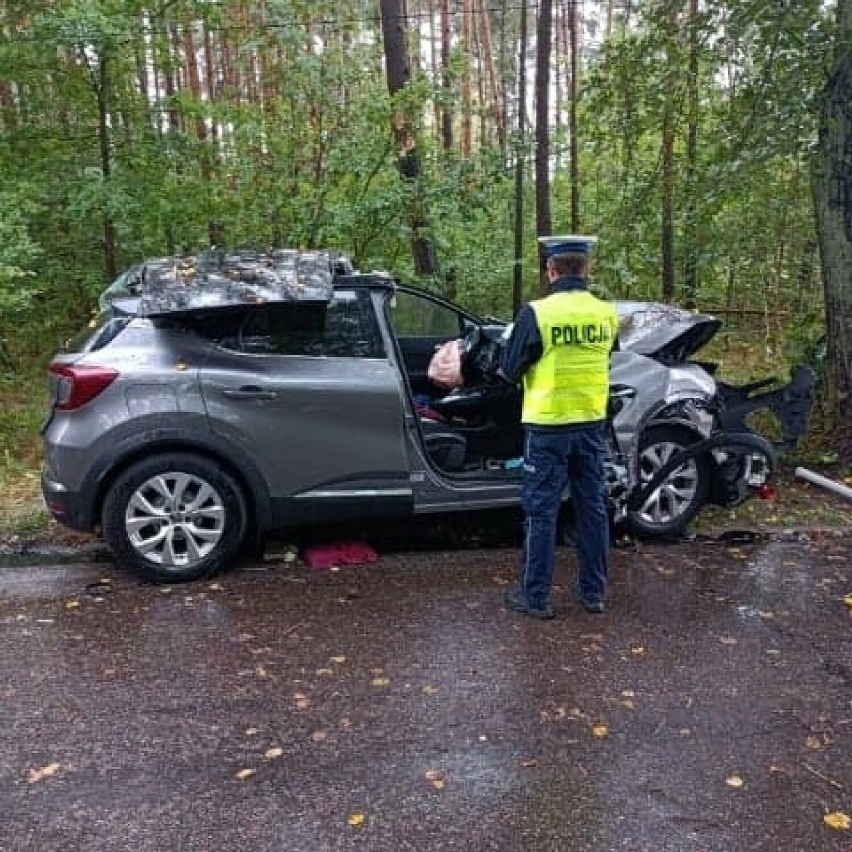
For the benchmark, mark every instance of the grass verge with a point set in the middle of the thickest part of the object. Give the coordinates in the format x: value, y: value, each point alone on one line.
x: 21, y: 507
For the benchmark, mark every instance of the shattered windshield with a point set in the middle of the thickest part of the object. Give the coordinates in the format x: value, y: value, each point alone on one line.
x: 215, y: 279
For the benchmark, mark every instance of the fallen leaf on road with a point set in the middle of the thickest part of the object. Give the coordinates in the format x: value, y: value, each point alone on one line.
x: 429, y: 690
x: 274, y: 752
x: 380, y: 681
x: 244, y: 773
x: 302, y: 701
x: 260, y: 671
x: 324, y: 672
x: 813, y: 743
x: 36, y: 775
x: 339, y: 659
x: 250, y: 732
x: 355, y: 819
x: 435, y: 778
x: 637, y: 649
x: 628, y: 693
x: 72, y: 604
x: 734, y: 781
x: 838, y: 820
x: 848, y: 600
x: 318, y: 736
x: 600, y: 731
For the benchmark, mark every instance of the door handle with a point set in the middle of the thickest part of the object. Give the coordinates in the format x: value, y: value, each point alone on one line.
x: 249, y: 392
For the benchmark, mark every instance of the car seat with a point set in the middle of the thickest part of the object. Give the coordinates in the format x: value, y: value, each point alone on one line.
x: 446, y: 449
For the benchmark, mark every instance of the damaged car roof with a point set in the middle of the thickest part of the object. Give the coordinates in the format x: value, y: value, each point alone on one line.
x: 218, y: 279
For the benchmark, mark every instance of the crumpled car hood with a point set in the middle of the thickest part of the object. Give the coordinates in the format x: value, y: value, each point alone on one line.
x: 216, y: 279
x: 667, y: 334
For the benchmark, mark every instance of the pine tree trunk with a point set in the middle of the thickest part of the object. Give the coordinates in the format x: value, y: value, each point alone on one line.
x: 446, y: 83
x: 191, y: 62
x: 667, y: 166
x: 434, y: 43
x: 575, y: 35
x: 103, y: 81
x: 466, y: 93
x: 542, y: 119
x: 832, y: 188
x: 398, y: 77
x: 504, y: 83
x: 169, y: 77
x: 490, y: 72
x: 520, y: 154
x: 690, y: 237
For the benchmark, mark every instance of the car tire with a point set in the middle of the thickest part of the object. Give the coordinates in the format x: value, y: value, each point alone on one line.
x: 672, y: 506
x: 174, y: 518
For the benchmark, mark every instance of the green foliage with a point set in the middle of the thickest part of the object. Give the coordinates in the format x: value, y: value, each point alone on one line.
x: 316, y: 165
x: 19, y: 253
x: 759, y: 67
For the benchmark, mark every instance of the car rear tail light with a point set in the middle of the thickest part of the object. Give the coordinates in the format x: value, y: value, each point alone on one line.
x: 77, y: 385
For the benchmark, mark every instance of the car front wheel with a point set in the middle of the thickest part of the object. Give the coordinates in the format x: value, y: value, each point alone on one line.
x: 676, y: 501
x: 174, y: 518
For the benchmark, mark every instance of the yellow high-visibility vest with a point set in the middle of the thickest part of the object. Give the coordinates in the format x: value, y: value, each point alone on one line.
x: 570, y: 382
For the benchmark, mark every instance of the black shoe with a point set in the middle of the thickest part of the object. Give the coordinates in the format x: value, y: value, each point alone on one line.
x: 589, y: 604
x: 517, y: 602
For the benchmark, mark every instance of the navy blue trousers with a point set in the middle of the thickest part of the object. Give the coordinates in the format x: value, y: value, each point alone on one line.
x: 553, y: 458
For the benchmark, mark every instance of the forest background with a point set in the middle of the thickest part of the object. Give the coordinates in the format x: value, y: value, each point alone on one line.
x: 705, y: 142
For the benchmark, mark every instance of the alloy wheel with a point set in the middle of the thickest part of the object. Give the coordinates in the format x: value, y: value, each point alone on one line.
x: 674, y: 496
x: 174, y: 519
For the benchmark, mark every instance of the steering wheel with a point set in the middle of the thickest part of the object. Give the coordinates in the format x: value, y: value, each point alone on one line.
x: 469, y: 342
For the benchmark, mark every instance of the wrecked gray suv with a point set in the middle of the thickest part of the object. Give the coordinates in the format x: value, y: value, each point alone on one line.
x: 224, y: 396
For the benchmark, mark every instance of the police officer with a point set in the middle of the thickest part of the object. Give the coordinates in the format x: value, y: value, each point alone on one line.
x: 560, y: 347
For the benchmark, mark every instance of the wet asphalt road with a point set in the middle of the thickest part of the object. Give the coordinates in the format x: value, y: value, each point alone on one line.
x: 709, y: 709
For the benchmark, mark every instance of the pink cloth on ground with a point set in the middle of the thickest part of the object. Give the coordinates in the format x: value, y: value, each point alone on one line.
x: 338, y: 553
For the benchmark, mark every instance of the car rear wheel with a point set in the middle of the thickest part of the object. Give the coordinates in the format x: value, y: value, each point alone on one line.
x: 676, y: 501
x: 174, y: 518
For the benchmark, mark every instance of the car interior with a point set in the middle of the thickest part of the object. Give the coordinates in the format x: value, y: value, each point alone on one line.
x: 470, y: 428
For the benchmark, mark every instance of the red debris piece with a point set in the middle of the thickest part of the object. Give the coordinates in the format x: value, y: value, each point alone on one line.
x: 321, y: 556
x: 767, y: 492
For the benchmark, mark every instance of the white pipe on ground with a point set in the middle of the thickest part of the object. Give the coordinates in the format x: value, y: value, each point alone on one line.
x: 835, y: 487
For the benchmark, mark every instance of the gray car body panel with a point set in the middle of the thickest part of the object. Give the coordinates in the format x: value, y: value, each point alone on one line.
x: 324, y: 431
